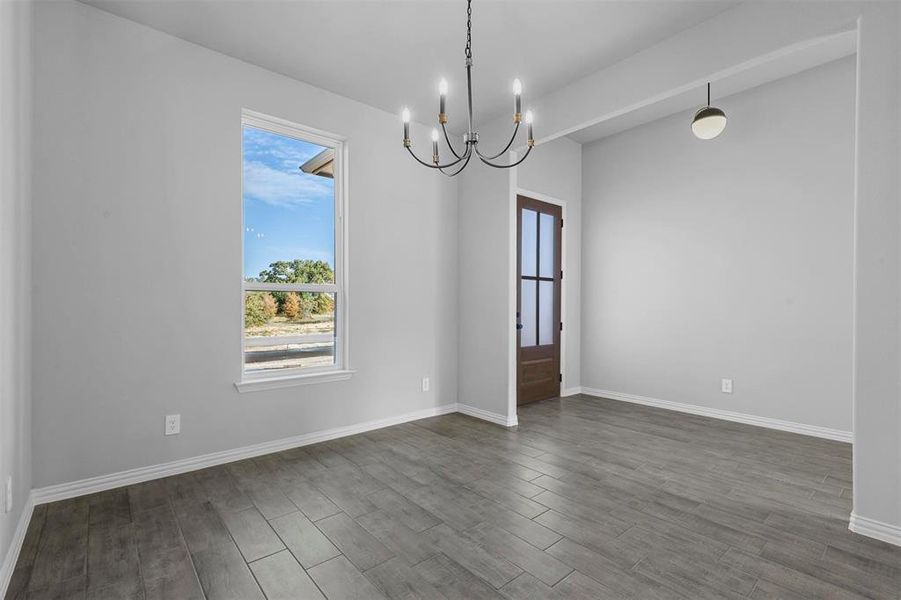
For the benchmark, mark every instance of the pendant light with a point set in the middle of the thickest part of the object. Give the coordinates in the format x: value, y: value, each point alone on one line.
x: 709, y: 122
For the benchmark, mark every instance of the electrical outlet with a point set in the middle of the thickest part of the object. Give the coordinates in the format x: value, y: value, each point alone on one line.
x: 173, y: 424
x: 426, y: 384
x: 726, y: 386
x: 8, y: 505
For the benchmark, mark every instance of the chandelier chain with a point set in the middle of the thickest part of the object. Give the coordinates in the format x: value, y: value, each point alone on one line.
x: 469, y: 29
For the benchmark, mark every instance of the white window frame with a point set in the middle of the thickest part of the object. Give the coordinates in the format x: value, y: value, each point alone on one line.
x: 340, y: 370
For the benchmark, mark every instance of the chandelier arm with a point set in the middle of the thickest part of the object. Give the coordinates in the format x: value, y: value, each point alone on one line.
x: 447, y: 139
x: 467, y: 155
x: 491, y: 164
x: 507, y: 147
x: 434, y: 166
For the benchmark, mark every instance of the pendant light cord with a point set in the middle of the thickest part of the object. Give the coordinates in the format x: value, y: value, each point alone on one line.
x: 708, y: 93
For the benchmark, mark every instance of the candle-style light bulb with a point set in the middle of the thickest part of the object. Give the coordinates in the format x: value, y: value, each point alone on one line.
x: 529, y: 118
x: 435, y: 145
x: 517, y: 99
x: 442, y: 97
x: 405, y: 115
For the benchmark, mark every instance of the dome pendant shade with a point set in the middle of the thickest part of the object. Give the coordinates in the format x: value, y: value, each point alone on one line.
x: 708, y: 123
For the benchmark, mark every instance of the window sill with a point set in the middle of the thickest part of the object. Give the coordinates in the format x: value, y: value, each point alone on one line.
x: 275, y: 383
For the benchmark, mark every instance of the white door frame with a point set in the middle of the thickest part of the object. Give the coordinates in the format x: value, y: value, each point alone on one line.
x: 515, y: 191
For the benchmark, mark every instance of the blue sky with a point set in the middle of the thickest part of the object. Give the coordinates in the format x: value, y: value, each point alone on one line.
x: 288, y: 214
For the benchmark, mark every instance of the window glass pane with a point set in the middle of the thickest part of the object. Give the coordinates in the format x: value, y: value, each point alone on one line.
x: 527, y: 313
x: 545, y: 313
x: 289, y: 213
x: 529, y: 241
x: 285, y: 330
x: 546, y: 258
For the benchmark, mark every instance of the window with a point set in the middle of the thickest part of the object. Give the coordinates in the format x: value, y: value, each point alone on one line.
x: 293, y: 278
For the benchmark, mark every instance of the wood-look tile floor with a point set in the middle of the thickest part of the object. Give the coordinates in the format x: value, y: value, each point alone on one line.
x: 587, y: 498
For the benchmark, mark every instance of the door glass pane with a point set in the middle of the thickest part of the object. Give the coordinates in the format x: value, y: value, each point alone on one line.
x: 284, y: 330
x: 546, y: 258
x: 527, y: 314
x: 545, y: 312
x: 529, y: 241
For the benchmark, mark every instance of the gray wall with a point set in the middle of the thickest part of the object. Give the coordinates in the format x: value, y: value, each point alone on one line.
x: 484, y: 289
x: 15, y: 262
x: 137, y: 253
x: 728, y: 258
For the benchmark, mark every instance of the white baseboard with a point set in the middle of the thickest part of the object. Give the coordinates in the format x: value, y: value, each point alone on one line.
x: 106, y: 482
x: 485, y: 415
x: 132, y: 476
x: 570, y: 391
x: 15, y: 546
x: 101, y: 483
x: 875, y: 529
x: 790, y: 426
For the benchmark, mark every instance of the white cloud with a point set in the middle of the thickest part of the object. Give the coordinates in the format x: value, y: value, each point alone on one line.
x: 270, y: 147
x: 279, y: 188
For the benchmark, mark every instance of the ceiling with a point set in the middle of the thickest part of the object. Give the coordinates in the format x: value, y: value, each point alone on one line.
x: 392, y: 53
x: 689, y: 98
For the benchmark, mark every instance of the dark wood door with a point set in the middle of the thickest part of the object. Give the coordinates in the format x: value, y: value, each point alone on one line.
x: 538, y: 300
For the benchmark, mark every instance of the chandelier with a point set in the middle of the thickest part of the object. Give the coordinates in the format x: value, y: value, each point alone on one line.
x: 470, y: 138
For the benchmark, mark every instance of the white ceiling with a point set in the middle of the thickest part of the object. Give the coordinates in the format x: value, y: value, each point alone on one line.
x: 392, y: 53
x: 686, y: 100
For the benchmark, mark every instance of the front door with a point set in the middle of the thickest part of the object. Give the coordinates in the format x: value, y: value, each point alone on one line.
x: 538, y: 304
